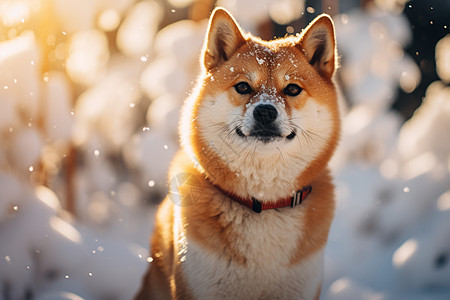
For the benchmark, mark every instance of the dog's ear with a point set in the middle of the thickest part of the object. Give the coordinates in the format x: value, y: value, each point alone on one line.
x: 319, y: 45
x: 223, y: 38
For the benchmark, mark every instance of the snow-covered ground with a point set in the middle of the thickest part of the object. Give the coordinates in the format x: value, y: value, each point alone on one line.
x: 89, y: 102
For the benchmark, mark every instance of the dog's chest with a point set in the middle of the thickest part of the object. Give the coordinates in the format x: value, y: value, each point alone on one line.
x: 268, y: 244
x: 266, y: 178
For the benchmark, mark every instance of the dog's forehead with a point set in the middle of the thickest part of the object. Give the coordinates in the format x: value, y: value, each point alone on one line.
x: 268, y: 60
x: 271, y: 53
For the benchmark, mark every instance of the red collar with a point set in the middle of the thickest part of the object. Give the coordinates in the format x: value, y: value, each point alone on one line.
x: 258, y: 206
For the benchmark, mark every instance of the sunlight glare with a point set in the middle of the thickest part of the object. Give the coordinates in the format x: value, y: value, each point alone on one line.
x: 419, y: 165
x: 88, y: 54
x: 47, y: 196
x: 443, y: 58
x: 409, y: 79
x: 404, y: 252
x: 109, y: 20
x: 443, y: 202
x: 14, y: 13
x: 65, y: 229
x: 180, y: 3
x: 285, y: 11
x: 357, y: 119
x: 340, y: 285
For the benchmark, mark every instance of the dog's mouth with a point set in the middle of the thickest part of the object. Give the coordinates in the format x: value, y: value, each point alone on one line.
x: 239, y: 132
x: 266, y: 134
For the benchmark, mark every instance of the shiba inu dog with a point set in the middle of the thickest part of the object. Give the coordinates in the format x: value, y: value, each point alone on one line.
x: 251, y: 199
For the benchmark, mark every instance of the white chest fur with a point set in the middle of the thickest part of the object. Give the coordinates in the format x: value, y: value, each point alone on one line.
x: 267, y: 272
x: 211, y: 277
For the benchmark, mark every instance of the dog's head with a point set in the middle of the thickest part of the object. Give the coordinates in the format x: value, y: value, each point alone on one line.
x: 263, y: 110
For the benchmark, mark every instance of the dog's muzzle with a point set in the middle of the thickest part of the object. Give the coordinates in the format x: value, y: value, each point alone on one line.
x: 265, y: 127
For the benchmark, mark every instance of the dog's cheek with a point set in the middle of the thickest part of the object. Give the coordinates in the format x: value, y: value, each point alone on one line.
x: 214, y: 117
x: 315, y: 122
x: 300, y: 101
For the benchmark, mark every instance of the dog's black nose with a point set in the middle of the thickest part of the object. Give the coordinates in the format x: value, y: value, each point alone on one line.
x: 265, y: 114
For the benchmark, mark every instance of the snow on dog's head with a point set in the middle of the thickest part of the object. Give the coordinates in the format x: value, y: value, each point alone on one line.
x: 264, y: 112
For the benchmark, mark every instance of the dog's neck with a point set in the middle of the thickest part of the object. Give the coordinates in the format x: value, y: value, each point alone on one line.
x: 267, y: 178
x: 258, y: 206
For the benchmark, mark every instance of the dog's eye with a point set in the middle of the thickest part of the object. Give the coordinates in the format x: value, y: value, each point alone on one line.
x: 243, y: 88
x: 292, y: 89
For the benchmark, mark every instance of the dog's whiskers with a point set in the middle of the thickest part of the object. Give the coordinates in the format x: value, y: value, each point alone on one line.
x: 245, y: 158
x: 305, y: 134
x: 281, y: 153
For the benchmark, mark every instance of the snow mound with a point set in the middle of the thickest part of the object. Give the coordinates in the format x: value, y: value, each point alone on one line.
x: 48, y: 256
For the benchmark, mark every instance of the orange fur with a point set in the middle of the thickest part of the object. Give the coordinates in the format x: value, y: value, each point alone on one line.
x: 205, y: 244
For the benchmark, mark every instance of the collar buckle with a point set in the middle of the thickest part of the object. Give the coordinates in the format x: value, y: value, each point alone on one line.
x: 256, y: 205
x: 298, y: 197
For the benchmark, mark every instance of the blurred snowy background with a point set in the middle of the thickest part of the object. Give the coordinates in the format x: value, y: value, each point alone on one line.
x: 90, y: 92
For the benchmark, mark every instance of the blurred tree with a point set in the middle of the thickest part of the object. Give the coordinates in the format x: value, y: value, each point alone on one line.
x: 429, y: 23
